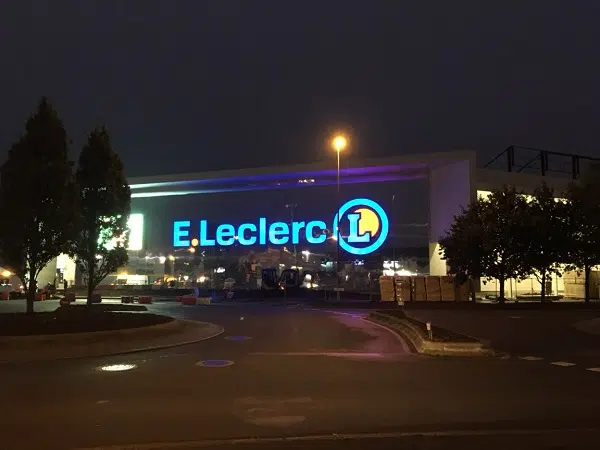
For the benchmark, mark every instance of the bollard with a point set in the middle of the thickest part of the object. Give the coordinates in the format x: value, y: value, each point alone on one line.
x: 188, y: 300
x: 203, y: 301
x: 192, y: 301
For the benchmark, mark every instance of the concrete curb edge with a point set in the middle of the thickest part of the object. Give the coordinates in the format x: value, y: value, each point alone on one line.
x: 421, y: 345
x: 220, y: 330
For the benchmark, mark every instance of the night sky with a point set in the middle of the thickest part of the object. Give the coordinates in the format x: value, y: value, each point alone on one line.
x: 201, y: 84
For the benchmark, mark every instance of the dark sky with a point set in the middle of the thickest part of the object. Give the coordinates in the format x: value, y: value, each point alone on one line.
x: 201, y: 84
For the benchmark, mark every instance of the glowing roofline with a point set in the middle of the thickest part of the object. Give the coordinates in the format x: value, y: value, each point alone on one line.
x: 356, y: 180
x: 373, y: 170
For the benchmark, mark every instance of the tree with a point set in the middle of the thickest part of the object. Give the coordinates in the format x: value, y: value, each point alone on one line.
x: 104, y: 207
x: 463, y: 247
x: 548, y: 236
x: 38, y: 198
x: 507, y: 236
x: 488, y: 239
x: 583, y: 211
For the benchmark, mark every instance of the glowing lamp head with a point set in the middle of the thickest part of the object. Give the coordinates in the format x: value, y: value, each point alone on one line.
x: 339, y: 143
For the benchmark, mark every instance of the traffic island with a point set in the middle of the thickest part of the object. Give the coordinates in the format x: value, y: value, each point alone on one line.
x: 86, y: 332
x: 441, y: 342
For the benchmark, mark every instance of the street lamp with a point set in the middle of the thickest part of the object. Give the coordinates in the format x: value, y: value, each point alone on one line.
x: 339, y: 144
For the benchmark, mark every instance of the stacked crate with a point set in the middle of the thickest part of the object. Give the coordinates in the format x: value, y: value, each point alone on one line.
x: 448, y: 288
x: 423, y: 288
x: 433, y: 288
x: 387, y: 289
x: 404, y: 289
x: 419, y: 289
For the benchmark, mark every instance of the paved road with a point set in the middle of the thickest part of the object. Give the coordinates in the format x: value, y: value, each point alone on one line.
x: 301, y: 372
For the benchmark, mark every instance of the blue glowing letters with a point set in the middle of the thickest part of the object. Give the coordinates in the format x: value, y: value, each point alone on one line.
x: 360, y: 214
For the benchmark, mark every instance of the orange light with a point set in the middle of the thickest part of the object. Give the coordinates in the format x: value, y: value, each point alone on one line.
x: 339, y: 143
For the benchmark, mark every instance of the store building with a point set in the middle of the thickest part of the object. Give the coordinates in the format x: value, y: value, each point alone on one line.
x: 196, y: 225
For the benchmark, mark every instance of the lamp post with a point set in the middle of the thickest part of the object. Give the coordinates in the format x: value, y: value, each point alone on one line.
x: 339, y: 143
x: 394, y: 237
x: 292, y: 208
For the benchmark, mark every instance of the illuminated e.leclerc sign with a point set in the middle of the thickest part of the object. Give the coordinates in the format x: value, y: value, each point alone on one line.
x: 368, y: 228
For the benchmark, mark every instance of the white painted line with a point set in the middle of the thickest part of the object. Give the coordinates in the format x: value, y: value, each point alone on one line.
x: 562, y: 364
x: 342, y: 436
x: 531, y: 358
x: 594, y: 369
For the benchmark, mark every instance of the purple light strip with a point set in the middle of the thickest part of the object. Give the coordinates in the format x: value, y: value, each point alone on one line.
x: 356, y: 180
x: 292, y: 175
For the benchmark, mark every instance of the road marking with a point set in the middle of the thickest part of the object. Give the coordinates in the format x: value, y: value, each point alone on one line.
x: 342, y: 436
x: 273, y: 412
x: 594, y: 369
x: 215, y: 363
x: 101, y: 402
x: 277, y: 421
x: 562, y: 364
x: 270, y: 401
x: 531, y: 358
x: 514, y: 317
x: 238, y: 338
x: 334, y: 354
x: 117, y: 367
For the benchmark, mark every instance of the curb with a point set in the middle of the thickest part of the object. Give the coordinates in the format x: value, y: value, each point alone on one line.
x: 100, y: 354
x: 420, y: 344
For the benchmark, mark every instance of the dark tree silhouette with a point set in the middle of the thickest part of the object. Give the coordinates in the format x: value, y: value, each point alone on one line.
x: 37, y: 197
x: 104, y: 206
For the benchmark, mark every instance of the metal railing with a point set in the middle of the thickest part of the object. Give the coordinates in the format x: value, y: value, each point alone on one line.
x: 538, y: 160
